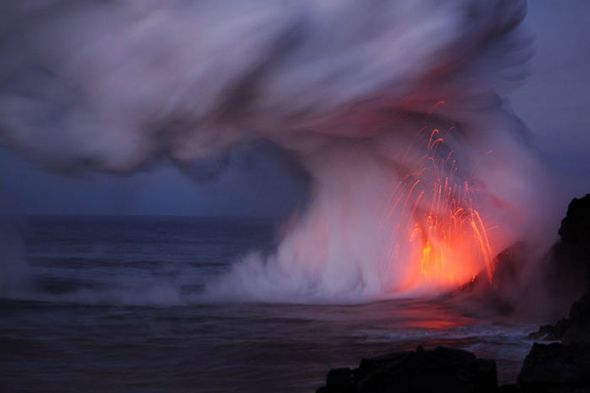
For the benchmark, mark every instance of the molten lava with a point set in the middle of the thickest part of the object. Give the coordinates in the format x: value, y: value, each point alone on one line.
x: 449, y: 243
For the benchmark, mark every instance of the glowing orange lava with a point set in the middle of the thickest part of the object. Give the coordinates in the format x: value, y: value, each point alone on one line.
x: 448, y: 237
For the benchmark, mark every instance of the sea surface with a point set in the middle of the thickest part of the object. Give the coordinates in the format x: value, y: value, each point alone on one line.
x: 113, y: 305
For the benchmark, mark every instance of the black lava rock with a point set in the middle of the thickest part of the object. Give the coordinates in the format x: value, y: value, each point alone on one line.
x: 440, y: 370
x: 578, y: 323
x: 571, y: 256
x: 340, y: 380
x: 552, y: 332
x: 556, y: 368
x: 565, y: 367
x: 573, y: 250
x: 575, y: 227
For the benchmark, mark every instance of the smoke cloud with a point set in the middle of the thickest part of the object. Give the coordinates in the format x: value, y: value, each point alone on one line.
x: 419, y: 175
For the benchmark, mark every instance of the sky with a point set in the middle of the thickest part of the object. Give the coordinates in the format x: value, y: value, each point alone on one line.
x: 266, y: 187
x: 554, y: 102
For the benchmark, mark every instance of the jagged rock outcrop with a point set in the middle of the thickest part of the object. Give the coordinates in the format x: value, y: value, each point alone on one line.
x: 565, y: 367
x: 575, y: 227
x: 440, y: 370
x: 573, y: 250
x: 556, y: 368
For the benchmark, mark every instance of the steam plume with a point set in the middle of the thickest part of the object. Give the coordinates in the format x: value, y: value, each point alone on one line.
x: 419, y: 176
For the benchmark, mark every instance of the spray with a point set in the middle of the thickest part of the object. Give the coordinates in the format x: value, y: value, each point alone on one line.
x: 418, y: 174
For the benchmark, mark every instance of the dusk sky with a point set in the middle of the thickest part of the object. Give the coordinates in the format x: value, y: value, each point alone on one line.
x: 554, y: 103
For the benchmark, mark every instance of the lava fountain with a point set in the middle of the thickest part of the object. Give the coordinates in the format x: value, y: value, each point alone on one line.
x: 449, y: 237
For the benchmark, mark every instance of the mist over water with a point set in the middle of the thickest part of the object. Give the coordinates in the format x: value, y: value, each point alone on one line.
x: 418, y: 175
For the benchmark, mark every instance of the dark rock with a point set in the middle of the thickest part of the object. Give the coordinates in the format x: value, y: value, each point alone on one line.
x: 340, y: 380
x: 575, y: 227
x: 556, y: 368
x: 440, y: 370
x: 503, y: 293
x: 545, y: 332
x: 512, y: 388
x: 573, y: 249
x: 552, y: 332
x: 577, y: 326
x: 565, y: 367
x: 570, y: 269
x: 561, y: 327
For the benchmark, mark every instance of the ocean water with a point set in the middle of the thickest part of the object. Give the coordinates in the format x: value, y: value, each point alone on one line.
x: 113, y: 305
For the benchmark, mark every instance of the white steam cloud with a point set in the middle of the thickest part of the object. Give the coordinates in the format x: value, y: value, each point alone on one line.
x: 383, y: 101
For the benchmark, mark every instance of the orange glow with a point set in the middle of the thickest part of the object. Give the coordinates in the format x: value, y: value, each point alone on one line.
x: 438, y: 324
x: 449, y: 242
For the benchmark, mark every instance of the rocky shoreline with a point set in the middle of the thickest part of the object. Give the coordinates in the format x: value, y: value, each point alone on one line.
x: 559, y: 366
